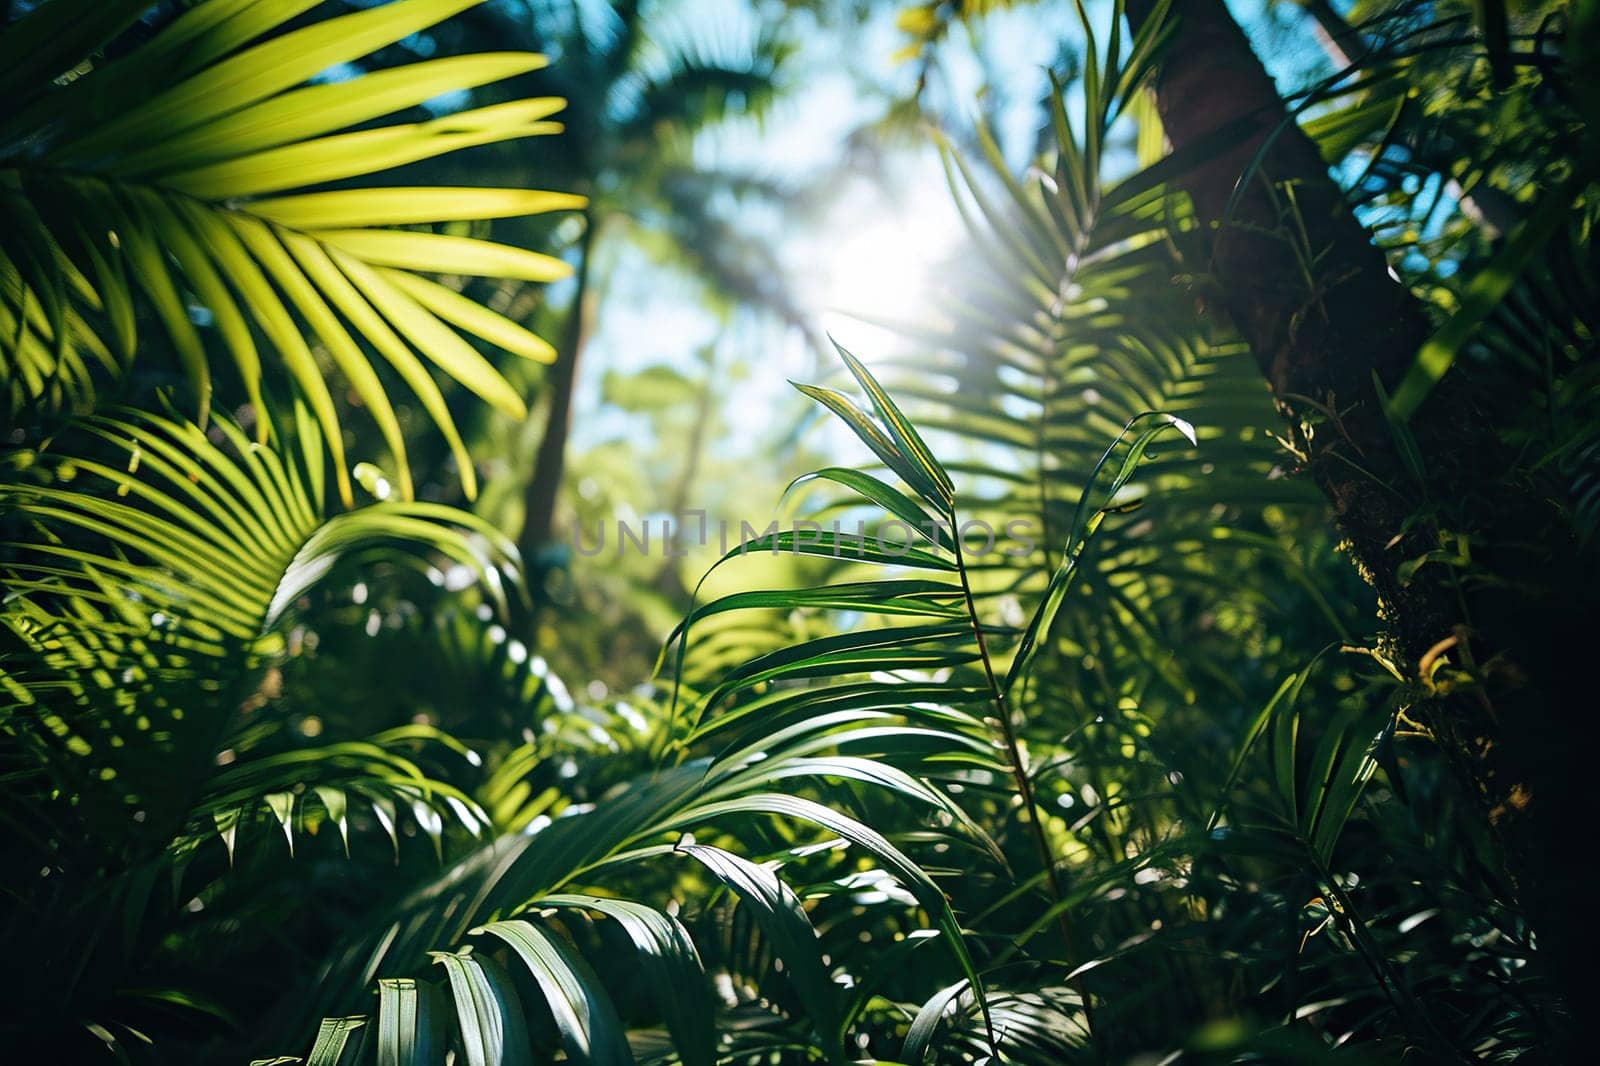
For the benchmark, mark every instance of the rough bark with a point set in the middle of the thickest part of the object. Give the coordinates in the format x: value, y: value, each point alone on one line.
x: 1301, y: 280
x: 1312, y: 295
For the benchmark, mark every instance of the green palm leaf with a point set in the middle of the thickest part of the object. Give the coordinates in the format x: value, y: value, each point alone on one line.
x: 217, y: 541
x: 164, y: 562
x: 184, y: 175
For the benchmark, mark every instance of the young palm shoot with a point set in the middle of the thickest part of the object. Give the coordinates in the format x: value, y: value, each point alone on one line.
x: 945, y: 636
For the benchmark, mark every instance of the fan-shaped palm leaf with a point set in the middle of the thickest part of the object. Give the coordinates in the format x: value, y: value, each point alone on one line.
x: 143, y: 615
x: 164, y: 560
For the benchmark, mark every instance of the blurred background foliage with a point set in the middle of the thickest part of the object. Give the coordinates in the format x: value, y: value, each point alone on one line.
x: 328, y: 733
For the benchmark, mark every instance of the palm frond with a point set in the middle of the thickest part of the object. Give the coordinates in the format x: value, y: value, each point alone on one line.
x: 164, y: 557
x: 205, y: 175
x: 536, y: 875
x: 147, y: 611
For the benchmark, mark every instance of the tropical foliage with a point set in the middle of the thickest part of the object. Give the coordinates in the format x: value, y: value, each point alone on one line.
x: 1059, y: 730
x: 195, y: 146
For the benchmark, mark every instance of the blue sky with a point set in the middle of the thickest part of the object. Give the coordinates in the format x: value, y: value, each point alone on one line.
x: 867, y: 251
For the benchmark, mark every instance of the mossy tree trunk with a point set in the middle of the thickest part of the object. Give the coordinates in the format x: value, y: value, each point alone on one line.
x: 1302, y: 281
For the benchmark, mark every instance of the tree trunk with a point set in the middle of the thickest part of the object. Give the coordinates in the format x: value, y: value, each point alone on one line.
x: 669, y: 579
x: 539, y: 498
x: 1312, y: 295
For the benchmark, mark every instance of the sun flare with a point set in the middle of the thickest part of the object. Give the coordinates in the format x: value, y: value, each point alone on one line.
x: 881, y: 265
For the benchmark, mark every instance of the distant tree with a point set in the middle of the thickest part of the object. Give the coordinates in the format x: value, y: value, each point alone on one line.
x: 645, y: 88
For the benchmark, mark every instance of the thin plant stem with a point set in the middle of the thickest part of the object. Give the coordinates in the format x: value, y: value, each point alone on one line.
x: 1019, y: 771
